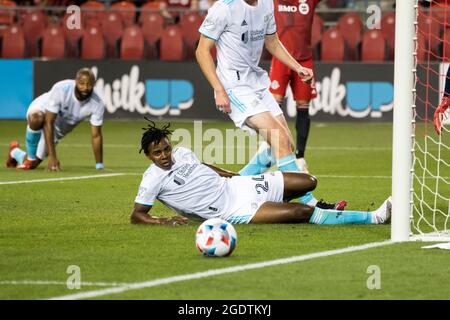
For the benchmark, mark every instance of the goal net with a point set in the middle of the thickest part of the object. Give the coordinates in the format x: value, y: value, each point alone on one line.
x: 430, y: 174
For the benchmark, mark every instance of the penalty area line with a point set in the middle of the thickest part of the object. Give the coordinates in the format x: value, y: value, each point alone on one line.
x: 216, y: 272
x: 106, y: 175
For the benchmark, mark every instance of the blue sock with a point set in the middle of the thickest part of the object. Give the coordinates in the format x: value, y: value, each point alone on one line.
x: 260, y: 162
x: 325, y: 216
x: 18, y: 155
x: 32, y: 139
x: 287, y: 164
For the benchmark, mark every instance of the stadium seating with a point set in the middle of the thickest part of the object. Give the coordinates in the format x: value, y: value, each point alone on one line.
x: 52, y: 43
x: 92, y: 44
x: 333, y: 47
x: 7, y: 16
x: 112, y: 28
x: 13, y: 42
x: 388, y: 30
x: 92, y: 12
x: 431, y: 28
x: 152, y: 24
x: 373, y: 46
x: 351, y: 29
x: 73, y: 37
x: 172, y: 47
x: 132, y: 44
x: 190, y: 23
x: 316, y: 35
x: 33, y: 25
x: 127, y: 11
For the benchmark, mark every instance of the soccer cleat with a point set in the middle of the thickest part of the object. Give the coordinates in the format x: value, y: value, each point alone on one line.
x: 11, y: 162
x: 383, y: 213
x: 28, y: 165
x: 339, y: 205
x: 301, y: 164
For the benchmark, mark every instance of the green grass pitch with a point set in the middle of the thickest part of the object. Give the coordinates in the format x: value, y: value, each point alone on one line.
x: 45, y: 227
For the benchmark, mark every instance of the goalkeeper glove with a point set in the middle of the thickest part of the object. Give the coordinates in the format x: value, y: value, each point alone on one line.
x: 439, y: 114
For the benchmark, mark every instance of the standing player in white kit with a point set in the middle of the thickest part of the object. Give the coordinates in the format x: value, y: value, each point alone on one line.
x: 53, y: 115
x: 239, y: 29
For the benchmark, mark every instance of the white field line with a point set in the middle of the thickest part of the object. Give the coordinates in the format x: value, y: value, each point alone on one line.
x: 106, y: 175
x: 216, y: 272
x: 58, y: 283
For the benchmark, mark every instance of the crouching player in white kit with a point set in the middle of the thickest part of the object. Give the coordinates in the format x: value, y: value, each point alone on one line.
x: 239, y: 29
x: 197, y: 190
x: 53, y: 115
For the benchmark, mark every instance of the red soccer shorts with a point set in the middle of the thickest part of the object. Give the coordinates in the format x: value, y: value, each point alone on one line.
x: 281, y: 76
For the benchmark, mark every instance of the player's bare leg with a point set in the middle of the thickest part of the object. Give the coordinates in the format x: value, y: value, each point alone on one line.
x: 275, y: 212
x: 273, y: 132
x: 297, y: 184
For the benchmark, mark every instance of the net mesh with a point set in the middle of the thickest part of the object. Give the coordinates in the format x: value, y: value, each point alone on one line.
x: 430, y: 200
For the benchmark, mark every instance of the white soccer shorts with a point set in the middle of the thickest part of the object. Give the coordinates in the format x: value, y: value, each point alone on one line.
x: 248, y: 193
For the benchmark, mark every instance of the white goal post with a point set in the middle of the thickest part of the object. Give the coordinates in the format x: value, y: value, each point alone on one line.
x: 420, y: 191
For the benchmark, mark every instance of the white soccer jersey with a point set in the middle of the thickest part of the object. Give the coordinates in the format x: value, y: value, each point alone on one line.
x: 239, y: 30
x: 70, y: 111
x: 189, y: 187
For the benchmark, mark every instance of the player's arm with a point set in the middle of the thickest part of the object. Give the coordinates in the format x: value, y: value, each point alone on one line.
x: 276, y: 48
x: 49, y: 133
x: 206, y: 63
x: 140, y: 216
x: 97, y: 145
x: 221, y: 172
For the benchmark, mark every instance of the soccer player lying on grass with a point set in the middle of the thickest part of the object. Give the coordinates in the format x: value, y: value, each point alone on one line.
x: 54, y: 114
x: 194, y: 189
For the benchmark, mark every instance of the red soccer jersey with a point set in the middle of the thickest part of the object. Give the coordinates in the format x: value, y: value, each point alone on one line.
x: 294, y: 20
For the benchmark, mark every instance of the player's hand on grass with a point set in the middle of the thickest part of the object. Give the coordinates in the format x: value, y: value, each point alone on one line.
x: 177, y: 221
x: 53, y: 164
x: 222, y: 101
x: 439, y: 114
x: 306, y: 74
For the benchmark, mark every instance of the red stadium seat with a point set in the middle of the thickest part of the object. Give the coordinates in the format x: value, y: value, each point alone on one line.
x: 172, y: 47
x: 53, y: 43
x: 422, y: 51
x: 92, y: 44
x: 316, y: 34
x: 33, y: 25
x: 73, y: 37
x: 132, y: 45
x: 127, y: 11
x: 373, y: 47
x: 332, y: 46
x: 190, y: 23
x: 92, y: 12
x: 431, y: 29
x: 388, y: 30
x: 152, y: 24
x: 112, y: 28
x: 7, y: 16
x: 13, y: 42
x: 351, y: 28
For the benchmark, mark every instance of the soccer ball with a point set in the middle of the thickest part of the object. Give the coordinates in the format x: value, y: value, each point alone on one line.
x: 216, y: 238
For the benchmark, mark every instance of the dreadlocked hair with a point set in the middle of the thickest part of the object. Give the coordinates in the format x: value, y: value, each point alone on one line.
x: 153, y: 134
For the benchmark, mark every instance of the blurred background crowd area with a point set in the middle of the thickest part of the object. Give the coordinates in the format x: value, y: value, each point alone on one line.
x: 168, y: 29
